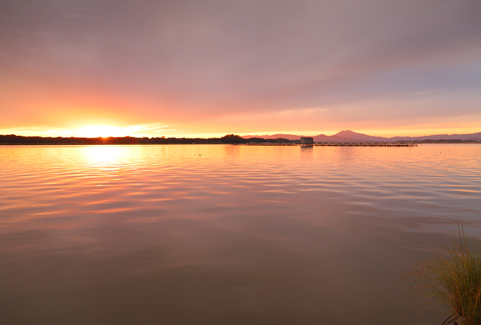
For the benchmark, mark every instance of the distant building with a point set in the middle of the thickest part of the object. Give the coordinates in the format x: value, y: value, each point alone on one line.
x: 307, y: 141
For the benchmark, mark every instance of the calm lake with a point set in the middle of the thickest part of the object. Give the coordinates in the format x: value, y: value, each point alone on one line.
x: 225, y: 234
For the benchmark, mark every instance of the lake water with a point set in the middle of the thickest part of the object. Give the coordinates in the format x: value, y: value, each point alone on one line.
x: 224, y: 234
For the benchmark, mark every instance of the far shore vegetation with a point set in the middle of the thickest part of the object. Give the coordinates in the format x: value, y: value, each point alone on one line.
x: 12, y: 139
x: 452, y: 281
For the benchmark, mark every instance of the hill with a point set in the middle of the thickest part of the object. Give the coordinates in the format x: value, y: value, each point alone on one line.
x: 351, y: 136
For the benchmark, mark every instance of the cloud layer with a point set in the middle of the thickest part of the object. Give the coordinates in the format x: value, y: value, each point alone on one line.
x: 241, y: 65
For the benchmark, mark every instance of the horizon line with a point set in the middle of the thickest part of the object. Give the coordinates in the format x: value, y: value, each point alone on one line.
x: 242, y: 134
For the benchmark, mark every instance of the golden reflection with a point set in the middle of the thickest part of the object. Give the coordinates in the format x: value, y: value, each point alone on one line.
x: 103, y: 155
x: 232, y: 151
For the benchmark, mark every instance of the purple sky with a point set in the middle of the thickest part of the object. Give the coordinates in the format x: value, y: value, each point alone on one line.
x: 240, y: 66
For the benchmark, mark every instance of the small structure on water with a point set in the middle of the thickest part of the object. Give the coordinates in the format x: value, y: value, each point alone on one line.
x: 307, y: 141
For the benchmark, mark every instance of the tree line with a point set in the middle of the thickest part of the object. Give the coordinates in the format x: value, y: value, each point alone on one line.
x: 13, y: 139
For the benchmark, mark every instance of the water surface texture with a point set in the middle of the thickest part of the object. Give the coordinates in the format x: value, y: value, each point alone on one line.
x: 224, y: 234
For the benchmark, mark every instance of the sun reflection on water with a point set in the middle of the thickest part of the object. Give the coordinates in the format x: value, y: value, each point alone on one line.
x: 103, y: 155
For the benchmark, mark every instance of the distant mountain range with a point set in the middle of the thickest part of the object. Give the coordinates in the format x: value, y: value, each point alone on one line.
x: 350, y: 136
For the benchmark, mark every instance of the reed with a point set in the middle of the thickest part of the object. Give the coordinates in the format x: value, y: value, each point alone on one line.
x: 452, y: 281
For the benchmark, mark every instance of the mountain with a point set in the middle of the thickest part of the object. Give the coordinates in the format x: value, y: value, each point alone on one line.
x: 274, y: 136
x: 350, y: 136
x: 358, y: 137
x: 472, y: 136
x: 332, y: 138
x: 343, y: 136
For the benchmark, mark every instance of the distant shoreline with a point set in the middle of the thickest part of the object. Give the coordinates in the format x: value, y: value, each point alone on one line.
x: 345, y: 136
x: 228, y: 139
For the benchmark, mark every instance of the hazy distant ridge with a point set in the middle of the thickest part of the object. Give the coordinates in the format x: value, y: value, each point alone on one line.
x: 350, y: 136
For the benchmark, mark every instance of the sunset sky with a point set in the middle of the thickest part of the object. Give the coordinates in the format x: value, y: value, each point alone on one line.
x: 208, y: 68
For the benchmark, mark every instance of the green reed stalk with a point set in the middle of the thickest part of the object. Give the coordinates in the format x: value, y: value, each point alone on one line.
x: 453, y: 281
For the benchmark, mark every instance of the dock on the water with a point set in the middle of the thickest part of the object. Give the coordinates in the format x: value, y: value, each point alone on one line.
x: 337, y: 144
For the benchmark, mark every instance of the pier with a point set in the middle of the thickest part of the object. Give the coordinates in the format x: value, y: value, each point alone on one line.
x: 337, y: 144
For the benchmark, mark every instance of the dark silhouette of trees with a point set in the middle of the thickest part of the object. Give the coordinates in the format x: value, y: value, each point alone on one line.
x: 232, y: 138
x: 15, y: 139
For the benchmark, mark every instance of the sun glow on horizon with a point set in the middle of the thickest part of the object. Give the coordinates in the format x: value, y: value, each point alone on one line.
x: 95, y: 131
